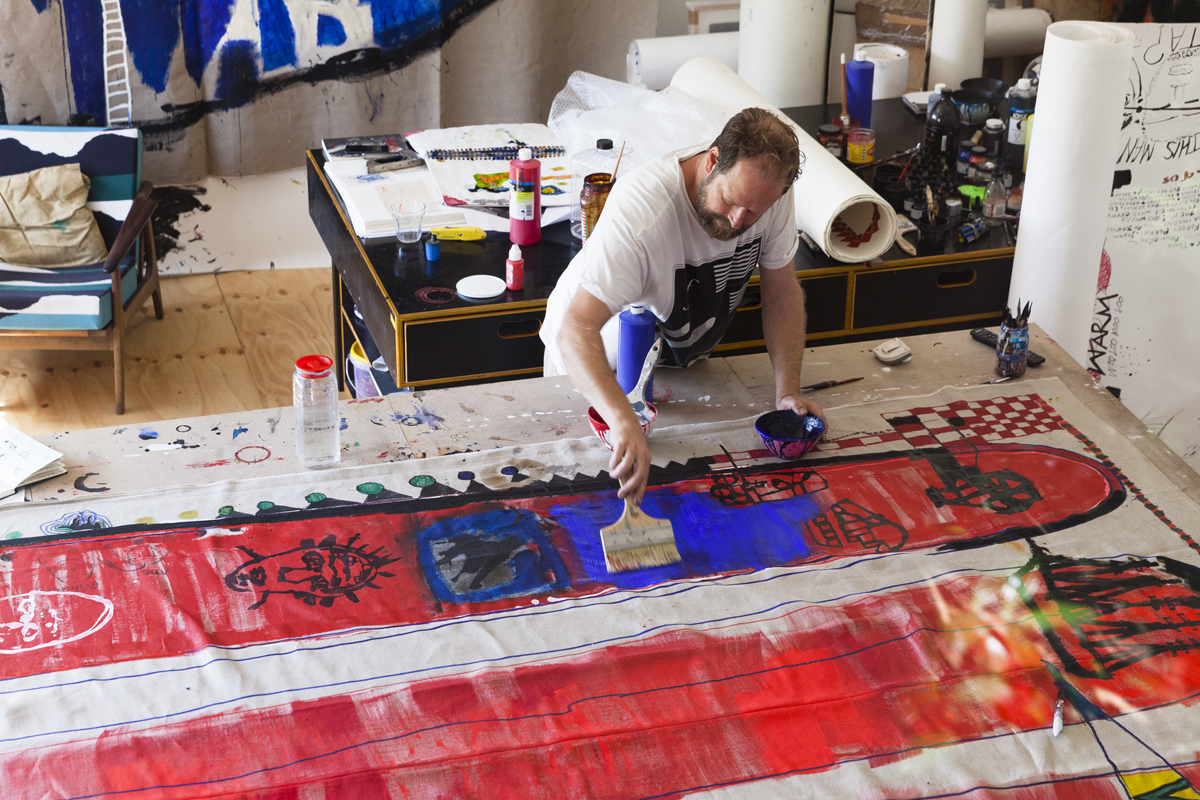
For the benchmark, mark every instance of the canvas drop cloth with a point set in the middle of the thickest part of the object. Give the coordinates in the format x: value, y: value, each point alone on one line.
x: 893, y: 616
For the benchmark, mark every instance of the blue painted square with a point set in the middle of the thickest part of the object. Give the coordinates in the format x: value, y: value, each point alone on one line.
x: 489, y: 556
x: 712, y: 539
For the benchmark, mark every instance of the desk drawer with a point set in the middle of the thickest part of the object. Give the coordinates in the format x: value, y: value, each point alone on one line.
x: 929, y: 293
x: 453, y: 348
x: 824, y: 301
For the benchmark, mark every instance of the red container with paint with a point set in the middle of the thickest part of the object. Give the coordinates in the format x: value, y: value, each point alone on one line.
x: 514, y: 270
x: 525, y: 198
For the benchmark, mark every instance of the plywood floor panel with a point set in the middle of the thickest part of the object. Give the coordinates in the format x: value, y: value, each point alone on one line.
x: 191, y: 363
x: 279, y: 316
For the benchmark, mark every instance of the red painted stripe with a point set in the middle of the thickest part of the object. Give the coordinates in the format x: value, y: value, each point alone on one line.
x: 875, y: 680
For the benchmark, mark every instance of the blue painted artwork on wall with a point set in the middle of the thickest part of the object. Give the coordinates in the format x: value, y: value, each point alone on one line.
x: 350, y: 39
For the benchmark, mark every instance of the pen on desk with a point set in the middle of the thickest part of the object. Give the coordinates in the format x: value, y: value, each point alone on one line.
x: 998, y: 380
x: 827, y: 384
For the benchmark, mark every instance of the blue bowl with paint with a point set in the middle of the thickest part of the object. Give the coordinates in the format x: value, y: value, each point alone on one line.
x: 788, y: 434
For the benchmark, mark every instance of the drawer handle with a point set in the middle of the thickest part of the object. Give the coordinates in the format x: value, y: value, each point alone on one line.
x: 751, y: 300
x: 951, y: 280
x: 519, y: 329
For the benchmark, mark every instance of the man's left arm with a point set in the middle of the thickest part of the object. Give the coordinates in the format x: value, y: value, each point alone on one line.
x: 783, y: 328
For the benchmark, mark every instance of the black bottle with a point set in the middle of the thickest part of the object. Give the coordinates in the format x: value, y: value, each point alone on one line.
x: 941, y: 127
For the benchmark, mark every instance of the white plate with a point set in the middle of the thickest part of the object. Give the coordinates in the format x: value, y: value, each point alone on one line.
x: 478, y: 287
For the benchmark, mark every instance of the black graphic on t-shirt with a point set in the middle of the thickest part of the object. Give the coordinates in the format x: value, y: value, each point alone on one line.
x: 706, y: 295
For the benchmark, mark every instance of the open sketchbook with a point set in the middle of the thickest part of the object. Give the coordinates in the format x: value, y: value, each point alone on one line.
x: 24, y: 460
x: 470, y: 163
x: 367, y: 196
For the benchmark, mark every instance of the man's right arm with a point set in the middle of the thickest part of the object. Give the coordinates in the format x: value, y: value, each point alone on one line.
x: 587, y: 366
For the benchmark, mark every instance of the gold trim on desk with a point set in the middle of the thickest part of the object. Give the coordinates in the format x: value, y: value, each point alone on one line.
x: 337, y: 204
x: 512, y: 373
x: 923, y: 323
x: 931, y: 261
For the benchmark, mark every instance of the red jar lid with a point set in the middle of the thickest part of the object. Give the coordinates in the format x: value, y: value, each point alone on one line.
x: 314, y: 364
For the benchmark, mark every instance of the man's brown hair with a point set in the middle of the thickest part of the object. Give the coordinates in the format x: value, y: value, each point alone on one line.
x: 754, y: 132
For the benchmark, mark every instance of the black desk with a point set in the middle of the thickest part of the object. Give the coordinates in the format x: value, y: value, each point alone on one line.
x: 428, y: 336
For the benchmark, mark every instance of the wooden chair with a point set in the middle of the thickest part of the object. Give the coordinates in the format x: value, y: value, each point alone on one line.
x: 89, y: 307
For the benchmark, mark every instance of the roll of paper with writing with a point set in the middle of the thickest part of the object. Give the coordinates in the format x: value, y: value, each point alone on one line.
x: 782, y: 48
x: 956, y: 42
x: 1081, y: 97
x: 891, y: 68
x: 1015, y: 32
x: 833, y: 205
x: 652, y: 62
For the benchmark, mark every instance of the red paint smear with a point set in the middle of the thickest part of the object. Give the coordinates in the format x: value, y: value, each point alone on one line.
x: 176, y: 578
x: 224, y: 463
x: 864, y: 680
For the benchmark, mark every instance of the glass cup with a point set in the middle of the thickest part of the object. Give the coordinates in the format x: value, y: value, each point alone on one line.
x: 591, y: 201
x: 407, y: 217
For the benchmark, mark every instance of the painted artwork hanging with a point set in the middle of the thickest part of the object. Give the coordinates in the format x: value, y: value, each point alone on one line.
x: 906, y: 614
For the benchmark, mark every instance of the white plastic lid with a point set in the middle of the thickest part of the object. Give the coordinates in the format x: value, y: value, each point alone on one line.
x: 637, y: 308
x: 1024, y: 83
x: 860, y: 56
x: 479, y: 287
x: 514, y: 253
x: 524, y: 154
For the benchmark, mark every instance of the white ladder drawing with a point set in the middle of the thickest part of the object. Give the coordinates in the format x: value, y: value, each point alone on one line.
x: 118, y: 101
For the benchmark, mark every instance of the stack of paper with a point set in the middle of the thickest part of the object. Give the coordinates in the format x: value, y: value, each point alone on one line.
x: 470, y: 163
x: 367, y: 197
x: 24, y: 460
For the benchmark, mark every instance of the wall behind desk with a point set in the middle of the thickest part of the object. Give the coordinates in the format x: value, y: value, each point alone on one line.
x: 244, y: 87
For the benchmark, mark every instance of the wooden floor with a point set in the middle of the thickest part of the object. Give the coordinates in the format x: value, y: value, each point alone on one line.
x: 227, y: 342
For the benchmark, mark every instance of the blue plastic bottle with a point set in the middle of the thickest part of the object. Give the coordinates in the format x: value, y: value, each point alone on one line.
x: 634, y: 339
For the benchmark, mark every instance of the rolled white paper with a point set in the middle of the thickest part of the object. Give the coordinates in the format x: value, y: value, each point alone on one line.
x: 782, y: 49
x: 1015, y: 32
x: 1076, y: 137
x: 956, y: 42
x: 652, y: 62
x: 833, y: 205
x: 891, y: 68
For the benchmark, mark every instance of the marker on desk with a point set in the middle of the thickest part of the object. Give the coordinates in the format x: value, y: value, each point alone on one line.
x: 464, y: 233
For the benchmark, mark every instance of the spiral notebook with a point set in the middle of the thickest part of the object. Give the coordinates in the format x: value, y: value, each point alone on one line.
x: 470, y: 163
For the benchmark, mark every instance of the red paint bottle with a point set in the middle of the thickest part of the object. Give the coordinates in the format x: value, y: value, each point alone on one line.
x: 525, y: 198
x: 514, y: 270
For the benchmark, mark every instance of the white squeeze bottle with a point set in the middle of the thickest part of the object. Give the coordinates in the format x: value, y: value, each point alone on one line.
x: 315, y: 402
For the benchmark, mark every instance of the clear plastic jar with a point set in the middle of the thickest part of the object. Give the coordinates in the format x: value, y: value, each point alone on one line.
x: 315, y: 403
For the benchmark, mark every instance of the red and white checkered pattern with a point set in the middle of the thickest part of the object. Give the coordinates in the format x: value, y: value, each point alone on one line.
x: 976, y: 422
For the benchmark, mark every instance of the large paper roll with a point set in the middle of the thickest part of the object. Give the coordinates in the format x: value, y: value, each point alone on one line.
x: 783, y: 47
x: 956, y: 42
x: 652, y: 62
x: 1076, y: 136
x: 891, y: 68
x: 1015, y: 32
x: 833, y: 205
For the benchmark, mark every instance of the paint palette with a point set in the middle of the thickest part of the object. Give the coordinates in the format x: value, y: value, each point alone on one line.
x: 646, y: 417
x: 788, y: 434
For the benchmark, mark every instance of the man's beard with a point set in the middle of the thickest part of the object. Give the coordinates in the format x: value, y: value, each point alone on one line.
x: 715, y: 225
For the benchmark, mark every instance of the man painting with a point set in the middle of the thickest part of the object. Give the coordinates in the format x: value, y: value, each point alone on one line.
x: 681, y: 236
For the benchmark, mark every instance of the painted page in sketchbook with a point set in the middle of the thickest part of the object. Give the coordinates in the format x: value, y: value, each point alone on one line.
x: 470, y: 163
x: 367, y: 197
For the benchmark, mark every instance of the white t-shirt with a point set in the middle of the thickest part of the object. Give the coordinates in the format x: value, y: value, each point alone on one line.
x: 649, y: 248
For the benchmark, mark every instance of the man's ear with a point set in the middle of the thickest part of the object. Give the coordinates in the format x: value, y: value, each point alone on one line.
x: 710, y: 159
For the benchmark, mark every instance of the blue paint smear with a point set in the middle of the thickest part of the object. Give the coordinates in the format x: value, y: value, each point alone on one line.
x: 238, y: 73
x: 712, y: 538
x: 40, y: 5
x: 204, y: 24
x: 146, y: 433
x: 237, y: 431
x: 330, y: 31
x: 85, y: 45
x: 528, y: 564
x: 395, y: 22
x: 278, y: 39
x: 151, y: 33
x: 345, y: 424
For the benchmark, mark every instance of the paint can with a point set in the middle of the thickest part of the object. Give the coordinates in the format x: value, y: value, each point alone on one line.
x: 364, y: 385
x: 860, y: 146
x: 635, y: 337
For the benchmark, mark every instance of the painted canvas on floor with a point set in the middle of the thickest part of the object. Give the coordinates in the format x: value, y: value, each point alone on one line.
x: 913, y: 611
